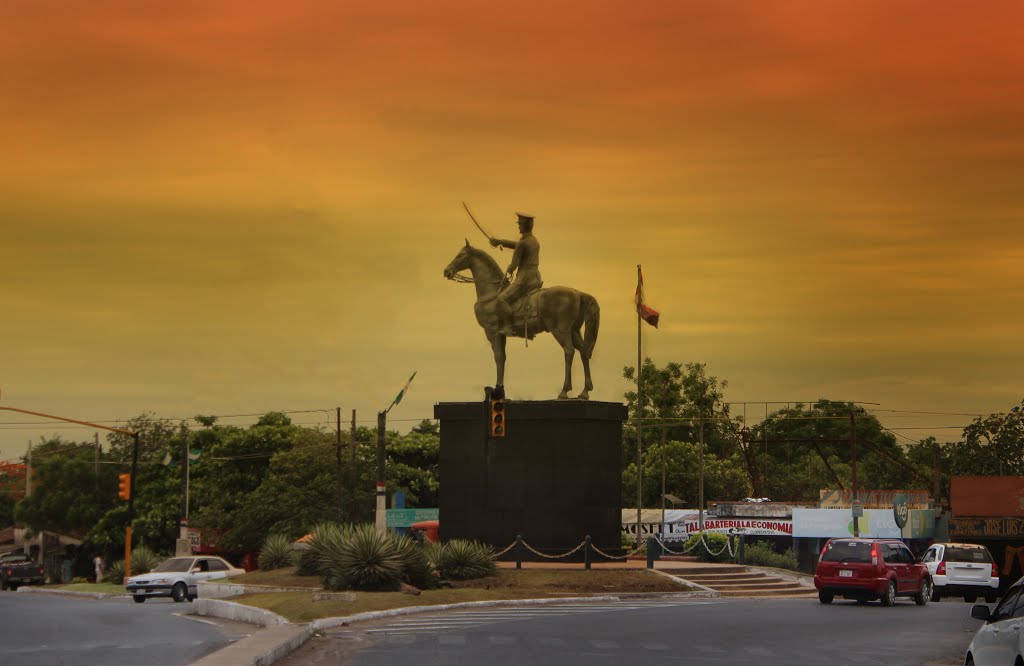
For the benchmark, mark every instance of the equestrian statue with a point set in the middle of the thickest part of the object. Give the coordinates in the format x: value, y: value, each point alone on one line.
x: 514, y: 304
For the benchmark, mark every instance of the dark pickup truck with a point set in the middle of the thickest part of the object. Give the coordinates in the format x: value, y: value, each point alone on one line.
x: 17, y: 569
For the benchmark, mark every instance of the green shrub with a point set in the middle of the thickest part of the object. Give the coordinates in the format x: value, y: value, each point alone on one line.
x: 433, y: 552
x: 115, y: 573
x: 144, y: 560
x: 305, y: 563
x: 417, y: 569
x: 462, y: 559
x: 369, y: 560
x: 276, y: 552
x: 761, y: 553
x: 325, y: 553
x: 715, y: 542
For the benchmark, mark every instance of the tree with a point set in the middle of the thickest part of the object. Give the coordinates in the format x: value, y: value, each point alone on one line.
x: 676, y: 403
x: 69, y: 493
x: 803, y: 449
x: 992, y: 445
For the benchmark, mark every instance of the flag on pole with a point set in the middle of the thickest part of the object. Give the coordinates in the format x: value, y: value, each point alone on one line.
x: 193, y: 454
x: 401, y: 394
x: 168, y: 460
x: 648, y: 314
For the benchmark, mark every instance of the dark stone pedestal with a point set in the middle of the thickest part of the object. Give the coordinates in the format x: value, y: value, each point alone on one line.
x: 554, y: 478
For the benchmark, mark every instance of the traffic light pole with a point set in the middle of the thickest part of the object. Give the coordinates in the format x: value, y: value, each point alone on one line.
x: 131, y: 509
x: 135, y: 466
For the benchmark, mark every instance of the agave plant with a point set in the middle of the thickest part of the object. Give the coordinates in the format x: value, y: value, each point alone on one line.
x: 369, y: 559
x: 144, y: 560
x: 417, y: 569
x: 115, y: 573
x: 462, y: 559
x: 276, y: 552
x: 325, y: 552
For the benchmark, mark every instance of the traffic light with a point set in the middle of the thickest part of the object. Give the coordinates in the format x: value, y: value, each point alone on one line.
x: 124, y: 486
x: 497, y: 428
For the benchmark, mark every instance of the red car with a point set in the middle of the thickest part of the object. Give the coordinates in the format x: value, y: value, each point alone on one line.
x: 868, y: 569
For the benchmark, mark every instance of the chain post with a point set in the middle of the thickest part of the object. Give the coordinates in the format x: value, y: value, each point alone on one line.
x: 519, y: 551
x: 586, y: 553
x: 652, y: 554
x: 743, y: 538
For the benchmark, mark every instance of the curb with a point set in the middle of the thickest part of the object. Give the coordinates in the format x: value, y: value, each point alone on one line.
x: 71, y: 593
x: 708, y: 593
x: 785, y: 574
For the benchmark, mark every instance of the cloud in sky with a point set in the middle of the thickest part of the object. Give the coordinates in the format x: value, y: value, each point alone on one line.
x: 230, y: 207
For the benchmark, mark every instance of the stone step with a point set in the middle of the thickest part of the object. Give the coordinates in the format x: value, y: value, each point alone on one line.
x: 716, y: 569
x: 729, y: 578
x: 775, y: 585
x: 812, y: 594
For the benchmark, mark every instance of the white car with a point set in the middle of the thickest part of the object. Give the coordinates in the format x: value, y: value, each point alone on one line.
x: 964, y: 570
x: 178, y: 577
x: 998, y: 641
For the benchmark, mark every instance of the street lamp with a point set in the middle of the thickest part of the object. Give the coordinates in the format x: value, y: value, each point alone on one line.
x: 135, y: 466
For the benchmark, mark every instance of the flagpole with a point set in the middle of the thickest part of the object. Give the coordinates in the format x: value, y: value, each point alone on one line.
x: 639, y: 422
x: 188, y: 476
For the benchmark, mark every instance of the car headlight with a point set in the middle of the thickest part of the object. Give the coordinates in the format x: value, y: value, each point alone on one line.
x: 160, y: 581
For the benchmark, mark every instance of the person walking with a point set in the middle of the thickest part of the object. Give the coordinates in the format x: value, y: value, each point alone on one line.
x: 97, y: 562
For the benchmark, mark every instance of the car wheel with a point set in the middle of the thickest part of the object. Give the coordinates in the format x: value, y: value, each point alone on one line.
x: 936, y: 595
x: 3, y: 584
x: 925, y: 595
x: 889, y: 598
x: 971, y: 598
x: 991, y: 598
x: 825, y: 597
x: 138, y: 599
x: 969, y: 661
x: 13, y: 586
x: 179, y: 592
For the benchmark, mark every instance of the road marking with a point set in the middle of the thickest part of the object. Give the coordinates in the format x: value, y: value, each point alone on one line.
x: 605, y: 645
x: 196, y: 619
x: 660, y: 647
x: 499, y: 640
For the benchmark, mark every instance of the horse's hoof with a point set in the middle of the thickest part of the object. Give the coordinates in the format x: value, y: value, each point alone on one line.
x: 563, y: 396
x: 583, y: 396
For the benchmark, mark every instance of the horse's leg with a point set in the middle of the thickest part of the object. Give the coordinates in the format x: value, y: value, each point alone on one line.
x: 588, y: 386
x: 564, y: 338
x: 497, y: 341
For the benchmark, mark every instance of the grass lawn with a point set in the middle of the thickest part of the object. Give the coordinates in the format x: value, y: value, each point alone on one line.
x: 102, y: 588
x: 507, y: 584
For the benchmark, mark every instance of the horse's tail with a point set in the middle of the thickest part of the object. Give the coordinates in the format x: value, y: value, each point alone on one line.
x: 591, y: 315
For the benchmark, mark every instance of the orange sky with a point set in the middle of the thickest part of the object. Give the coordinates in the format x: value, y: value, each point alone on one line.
x: 234, y: 207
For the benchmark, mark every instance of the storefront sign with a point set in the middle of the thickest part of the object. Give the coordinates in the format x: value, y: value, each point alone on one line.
x: 406, y: 517
x: 679, y: 525
x: 986, y: 527
x: 872, y: 499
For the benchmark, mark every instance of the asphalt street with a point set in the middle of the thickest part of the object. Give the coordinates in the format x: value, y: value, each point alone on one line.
x: 43, y: 630
x: 712, y: 631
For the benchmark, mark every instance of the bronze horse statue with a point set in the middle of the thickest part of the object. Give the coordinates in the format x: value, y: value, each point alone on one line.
x: 561, y: 311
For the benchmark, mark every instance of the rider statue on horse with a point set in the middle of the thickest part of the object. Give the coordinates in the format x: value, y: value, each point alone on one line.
x: 526, y: 267
x: 523, y: 308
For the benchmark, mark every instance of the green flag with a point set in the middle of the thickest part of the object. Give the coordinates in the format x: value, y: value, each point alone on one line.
x: 168, y: 461
x: 401, y: 394
x: 193, y: 454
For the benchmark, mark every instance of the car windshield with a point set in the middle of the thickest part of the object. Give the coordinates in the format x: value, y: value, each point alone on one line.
x: 957, y: 554
x: 848, y: 551
x: 175, y: 564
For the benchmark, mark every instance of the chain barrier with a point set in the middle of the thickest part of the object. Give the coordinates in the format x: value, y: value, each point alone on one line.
x: 507, y: 548
x: 701, y: 542
x: 617, y: 557
x: 553, y: 557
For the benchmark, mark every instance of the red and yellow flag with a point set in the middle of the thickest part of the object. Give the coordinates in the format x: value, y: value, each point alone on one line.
x: 648, y: 314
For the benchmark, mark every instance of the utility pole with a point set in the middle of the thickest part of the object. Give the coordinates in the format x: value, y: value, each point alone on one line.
x: 352, y: 471
x: 338, y: 461
x: 853, y: 448
x: 96, y: 471
x: 28, y: 471
x: 700, y: 484
x: 381, y: 516
x: 639, y: 422
x: 936, y: 479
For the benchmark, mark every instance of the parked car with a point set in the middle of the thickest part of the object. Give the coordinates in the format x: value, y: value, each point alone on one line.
x: 868, y: 569
x: 18, y: 569
x: 998, y: 641
x: 962, y: 570
x: 178, y: 578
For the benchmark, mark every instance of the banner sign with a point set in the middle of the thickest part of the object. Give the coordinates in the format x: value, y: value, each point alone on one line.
x: 406, y: 517
x: 876, y: 523
x: 679, y: 525
x: 872, y: 499
x: 986, y: 527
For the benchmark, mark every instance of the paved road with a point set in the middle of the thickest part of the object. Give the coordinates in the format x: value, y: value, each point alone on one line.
x: 720, y: 631
x: 43, y: 630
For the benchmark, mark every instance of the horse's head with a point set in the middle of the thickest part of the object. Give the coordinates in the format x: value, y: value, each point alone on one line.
x: 460, y: 262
